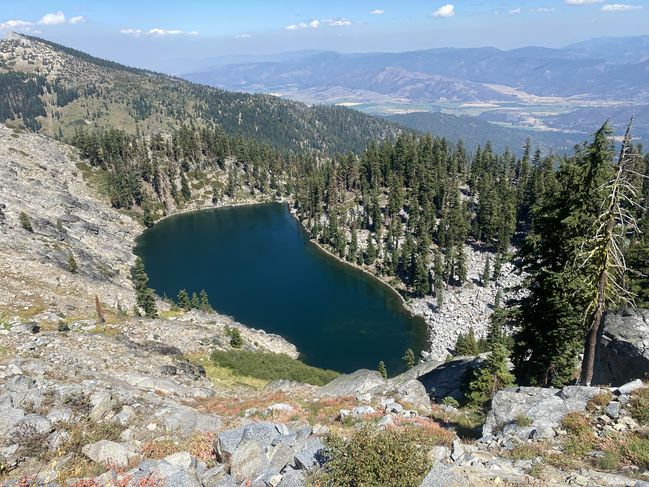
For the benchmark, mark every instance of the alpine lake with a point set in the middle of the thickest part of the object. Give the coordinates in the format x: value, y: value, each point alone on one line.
x: 257, y: 265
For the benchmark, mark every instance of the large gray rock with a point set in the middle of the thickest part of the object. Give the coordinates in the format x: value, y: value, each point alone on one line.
x: 414, y: 393
x: 442, y: 476
x: 358, y: 382
x: 248, y: 461
x: 623, y: 349
x: 108, y: 452
x: 311, y: 455
x: 293, y: 478
x: 448, y: 379
x: 186, y: 420
x: 543, y: 407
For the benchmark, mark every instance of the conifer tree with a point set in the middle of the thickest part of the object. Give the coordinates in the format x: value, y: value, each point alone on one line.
x: 382, y: 369
x: 466, y: 345
x: 144, y: 295
x: 486, y: 273
x: 409, y: 358
x: 183, y: 300
x: 204, y: 301
x: 492, y: 376
x: 371, y: 250
x: 195, y: 302
x: 184, y: 188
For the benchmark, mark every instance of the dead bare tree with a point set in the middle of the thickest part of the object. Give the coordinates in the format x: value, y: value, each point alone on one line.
x: 600, y: 262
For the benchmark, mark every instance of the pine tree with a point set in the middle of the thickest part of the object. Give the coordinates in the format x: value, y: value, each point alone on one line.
x: 183, y: 300
x: 204, y: 301
x: 492, y: 376
x: 184, y: 188
x: 371, y: 250
x: 382, y: 369
x: 460, y: 263
x: 486, y: 273
x: 72, y: 264
x: 195, y: 302
x: 466, y: 345
x: 144, y: 295
x: 409, y: 358
x: 497, y: 267
x: 438, y: 269
x: 353, y: 246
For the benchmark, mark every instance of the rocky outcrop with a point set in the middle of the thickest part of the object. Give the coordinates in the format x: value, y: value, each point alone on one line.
x: 534, y: 412
x: 623, y: 348
x: 449, y: 379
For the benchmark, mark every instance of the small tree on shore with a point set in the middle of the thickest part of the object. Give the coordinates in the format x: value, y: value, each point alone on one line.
x: 382, y: 369
x: 205, y: 301
x: 183, y: 300
x: 409, y: 358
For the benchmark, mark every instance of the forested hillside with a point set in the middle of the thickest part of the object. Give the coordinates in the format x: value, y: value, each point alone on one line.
x: 58, y: 90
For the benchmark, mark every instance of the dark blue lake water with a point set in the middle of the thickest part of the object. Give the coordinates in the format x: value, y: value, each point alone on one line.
x: 257, y: 264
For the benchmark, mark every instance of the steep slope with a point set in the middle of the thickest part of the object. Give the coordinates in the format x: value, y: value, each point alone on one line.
x: 69, y: 89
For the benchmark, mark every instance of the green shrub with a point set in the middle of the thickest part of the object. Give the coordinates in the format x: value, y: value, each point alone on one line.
x: 373, y: 458
x: 25, y: 222
x: 450, y: 401
x: 523, y: 421
x: 639, y: 405
x: 637, y: 451
x: 235, y: 337
x: 271, y: 366
x: 599, y: 400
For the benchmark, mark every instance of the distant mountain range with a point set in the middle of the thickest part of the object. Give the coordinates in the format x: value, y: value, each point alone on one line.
x: 570, y: 90
x: 600, y: 68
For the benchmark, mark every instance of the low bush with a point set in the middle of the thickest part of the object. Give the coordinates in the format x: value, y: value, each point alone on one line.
x: 523, y: 421
x: 599, y: 400
x: 580, y: 439
x: 636, y: 451
x: 639, y: 406
x: 271, y: 366
x: 374, y: 458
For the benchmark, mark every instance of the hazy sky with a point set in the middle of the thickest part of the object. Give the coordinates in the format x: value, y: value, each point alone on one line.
x: 176, y: 36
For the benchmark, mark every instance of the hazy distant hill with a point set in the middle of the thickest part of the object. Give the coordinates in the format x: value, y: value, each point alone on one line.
x: 475, y: 132
x: 590, y: 69
x: 49, y: 87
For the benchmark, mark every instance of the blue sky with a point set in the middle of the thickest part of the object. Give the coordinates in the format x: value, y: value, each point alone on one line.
x: 177, y: 35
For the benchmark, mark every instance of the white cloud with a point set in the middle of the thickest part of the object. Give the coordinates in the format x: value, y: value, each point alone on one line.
x: 339, y: 22
x: 620, y: 7
x: 242, y: 36
x: 545, y: 9
x: 314, y: 24
x: 583, y: 2
x: 447, y: 10
x: 377, y: 11
x: 157, y: 32
x: 301, y: 25
x: 77, y: 20
x: 514, y: 11
x: 52, y: 19
x: 15, y: 25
